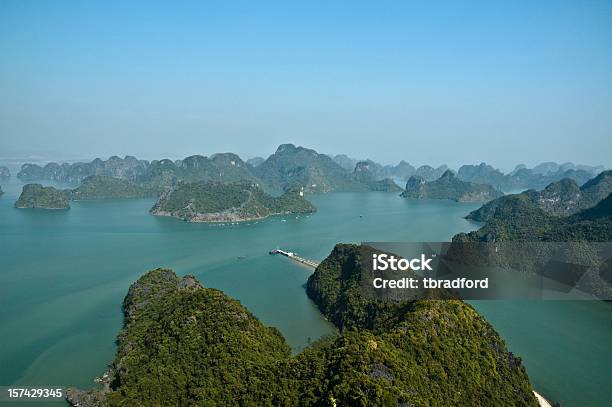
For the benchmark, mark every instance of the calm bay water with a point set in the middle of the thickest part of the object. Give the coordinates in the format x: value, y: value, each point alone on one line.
x: 63, y: 276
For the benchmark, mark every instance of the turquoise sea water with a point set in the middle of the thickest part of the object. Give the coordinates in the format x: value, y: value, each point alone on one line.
x: 64, y: 274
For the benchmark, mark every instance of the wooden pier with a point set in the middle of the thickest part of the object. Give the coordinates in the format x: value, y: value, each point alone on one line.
x: 293, y: 256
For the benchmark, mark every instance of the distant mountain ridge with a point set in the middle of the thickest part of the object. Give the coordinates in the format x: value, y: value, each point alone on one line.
x: 289, y: 165
x: 561, y: 198
x: 129, y: 168
x: 519, y: 219
x: 448, y: 186
x: 525, y: 178
x: 295, y: 165
x: 367, y: 175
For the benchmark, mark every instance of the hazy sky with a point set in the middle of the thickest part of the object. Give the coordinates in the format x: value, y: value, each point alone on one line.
x: 428, y: 82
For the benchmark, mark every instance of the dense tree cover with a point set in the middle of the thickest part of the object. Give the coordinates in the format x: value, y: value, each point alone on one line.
x: 560, y: 198
x: 183, y: 344
x: 215, y: 201
x: 425, y: 352
x: 448, y: 186
x: 316, y: 172
x: 440, y: 354
x: 105, y: 187
x: 521, y: 236
x: 225, y: 167
x: 37, y: 196
x: 518, y: 218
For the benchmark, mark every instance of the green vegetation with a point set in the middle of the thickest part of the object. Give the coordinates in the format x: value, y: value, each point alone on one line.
x: 562, y: 248
x: 37, y: 196
x: 560, y: 198
x: 449, y: 187
x: 183, y: 344
x: 226, y: 167
x: 105, y: 187
x: 291, y: 165
x: 231, y: 202
x: 518, y: 218
x: 426, y: 352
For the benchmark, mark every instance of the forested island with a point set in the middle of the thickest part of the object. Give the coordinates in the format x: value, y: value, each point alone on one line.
x: 106, y: 187
x: 228, y: 202
x: 214, y: 351
x: 524, y: 234
x: 448, y: 186
x: 92, y: 187
x: 519, y: 218
x: 561, y: 198
x: 37, y: 196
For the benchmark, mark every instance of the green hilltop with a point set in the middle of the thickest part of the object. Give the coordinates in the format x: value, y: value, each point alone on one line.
x: 519, y: 218
x: 183, y: 344
x: 227, y: 202
x: 105, y: 187
x: 37, y: 196
x: 561, y: 198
